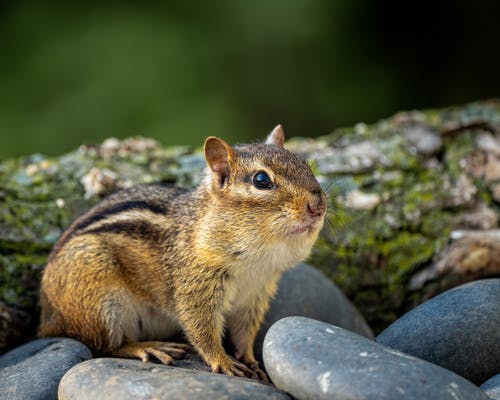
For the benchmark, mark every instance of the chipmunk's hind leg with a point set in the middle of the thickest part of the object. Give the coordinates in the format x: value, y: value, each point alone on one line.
x: 166, y: 352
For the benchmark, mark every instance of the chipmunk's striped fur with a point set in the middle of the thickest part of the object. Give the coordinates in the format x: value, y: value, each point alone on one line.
x: 150, y: 261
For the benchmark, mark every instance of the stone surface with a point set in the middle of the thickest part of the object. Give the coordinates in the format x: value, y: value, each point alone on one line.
x: 33, y: 371
x: 116, y: 379
x: 492, y: 387
x: 305, y: 291
x: 314, y: 360
x: 459, y: 330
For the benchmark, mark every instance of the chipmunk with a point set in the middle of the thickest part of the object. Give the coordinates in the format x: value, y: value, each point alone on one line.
x: 150, y: 261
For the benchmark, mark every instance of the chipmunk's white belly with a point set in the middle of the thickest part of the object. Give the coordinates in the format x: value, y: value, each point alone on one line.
x: 242, y: 291
x: 257, y: 277
x: 155, y: 323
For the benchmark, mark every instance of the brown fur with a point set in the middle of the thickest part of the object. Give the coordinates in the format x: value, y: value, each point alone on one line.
x: 150, y: 261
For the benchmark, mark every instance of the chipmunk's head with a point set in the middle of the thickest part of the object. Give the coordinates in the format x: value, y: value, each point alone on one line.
x: 265, y: 190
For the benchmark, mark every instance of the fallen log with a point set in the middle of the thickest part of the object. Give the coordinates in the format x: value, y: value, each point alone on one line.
x: 414, y: 206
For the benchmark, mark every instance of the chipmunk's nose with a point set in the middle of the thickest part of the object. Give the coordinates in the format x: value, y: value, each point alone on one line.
x: 316, y: 205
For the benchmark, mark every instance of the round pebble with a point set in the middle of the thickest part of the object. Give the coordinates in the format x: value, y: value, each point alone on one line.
x: 458, y: 330
x: 305, y: 291
x: 492, y: 387
x: 313, y: 360
x: 33, y: 371
x: 117, y: 379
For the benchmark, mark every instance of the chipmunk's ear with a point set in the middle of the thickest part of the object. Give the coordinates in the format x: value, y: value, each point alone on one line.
x: 276, y: 137
x: 218, y: 155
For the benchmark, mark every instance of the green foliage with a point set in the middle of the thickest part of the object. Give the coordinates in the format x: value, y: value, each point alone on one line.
x: 179, y: 71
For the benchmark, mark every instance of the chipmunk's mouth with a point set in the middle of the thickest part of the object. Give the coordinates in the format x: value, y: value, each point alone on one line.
x: 309, y: 227
x: 299, y: 230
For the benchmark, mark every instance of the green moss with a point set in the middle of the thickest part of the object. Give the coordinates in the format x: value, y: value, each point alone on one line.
x: 436, y: 224
x: 32, y: 225
x: 19, y: 279
x: 396, y: 150
x: 404, y: 252
x: 457, y: 150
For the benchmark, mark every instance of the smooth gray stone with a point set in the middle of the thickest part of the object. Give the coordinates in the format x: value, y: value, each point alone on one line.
x: 492, y: 387
x: 305, y: 291
x: 193, y: 360
x: 458, y: 330
x: 33, y: 371
x: 313, y: 360
x: 117, y: 379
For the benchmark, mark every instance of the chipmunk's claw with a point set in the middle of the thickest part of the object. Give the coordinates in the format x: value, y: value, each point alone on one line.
x: 234, y: 368
x: 165, y: 352
x: 254, y: 366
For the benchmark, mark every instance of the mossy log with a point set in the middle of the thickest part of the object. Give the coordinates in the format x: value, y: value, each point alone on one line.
x: 414, y: 206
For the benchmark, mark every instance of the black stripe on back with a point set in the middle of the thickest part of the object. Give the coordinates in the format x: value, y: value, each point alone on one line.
x: 99, y: 215
x: 138, y: 229
x: 118, y: 208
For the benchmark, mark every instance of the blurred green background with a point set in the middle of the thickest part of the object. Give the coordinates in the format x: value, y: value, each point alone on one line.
x: 78, y: 72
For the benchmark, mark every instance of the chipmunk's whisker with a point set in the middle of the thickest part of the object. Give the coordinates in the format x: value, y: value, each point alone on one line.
x: 329, y: 188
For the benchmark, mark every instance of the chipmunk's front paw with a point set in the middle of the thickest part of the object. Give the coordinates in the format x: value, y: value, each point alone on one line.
x: 166, y: 352
x: 261, y: 374
x: 233, y: 368
x: 254, y: 366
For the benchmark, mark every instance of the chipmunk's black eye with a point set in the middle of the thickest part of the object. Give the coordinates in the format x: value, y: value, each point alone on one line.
x: 261, y: 180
